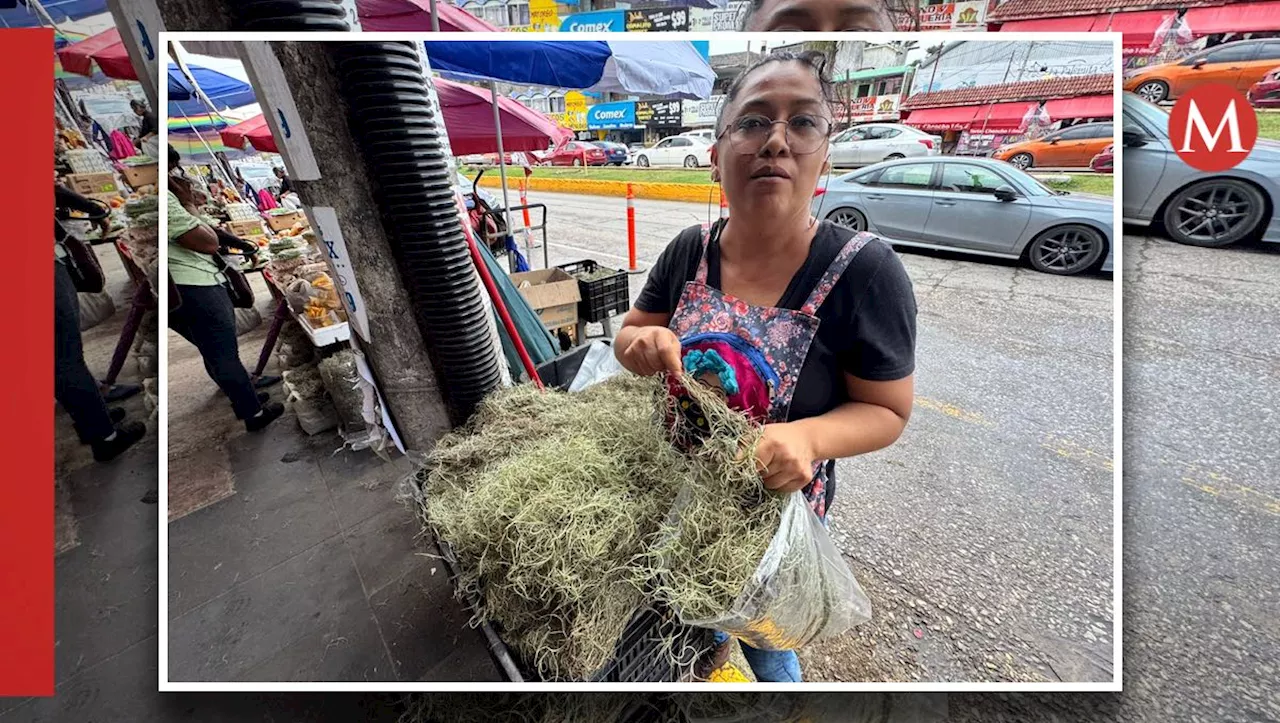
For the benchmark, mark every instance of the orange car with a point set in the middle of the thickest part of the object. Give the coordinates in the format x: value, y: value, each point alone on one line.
x: 1072, y: 147
x: 1239, y: 64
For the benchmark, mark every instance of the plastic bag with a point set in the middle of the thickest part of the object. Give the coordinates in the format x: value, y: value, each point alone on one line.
x: 598, y: 365
x: 247, y: 320
x: 802, y: 590
x: 342, y: 381
x: 95, y: 309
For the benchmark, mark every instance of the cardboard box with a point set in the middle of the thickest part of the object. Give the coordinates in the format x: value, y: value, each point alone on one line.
x: 552, y: 293
x: 286, y: 221
x: 139, y: 176
x: 93, y: 183
x: 246, y: 229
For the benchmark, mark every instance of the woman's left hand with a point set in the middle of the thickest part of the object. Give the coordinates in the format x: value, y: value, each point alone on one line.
x: 785, y: 458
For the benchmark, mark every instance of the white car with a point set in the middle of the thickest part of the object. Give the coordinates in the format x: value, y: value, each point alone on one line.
x: 706, y: 134
x: 874, y: 142
x: 687, y: 151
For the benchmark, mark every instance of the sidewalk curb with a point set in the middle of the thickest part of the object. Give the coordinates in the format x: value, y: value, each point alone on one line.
x: 688, y: 192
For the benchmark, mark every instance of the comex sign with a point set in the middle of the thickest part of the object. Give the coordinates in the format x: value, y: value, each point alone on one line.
x: 603, y: 21
x: 611, y: 115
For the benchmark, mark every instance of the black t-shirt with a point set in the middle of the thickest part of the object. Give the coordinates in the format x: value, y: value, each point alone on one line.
x: 867, y: 323
x: 149, y: 125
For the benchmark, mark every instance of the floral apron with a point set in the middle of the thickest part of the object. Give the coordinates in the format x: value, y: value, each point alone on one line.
x: 753, y: 353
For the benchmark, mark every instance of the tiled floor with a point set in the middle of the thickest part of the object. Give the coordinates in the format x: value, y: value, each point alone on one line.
x: 309, y: 570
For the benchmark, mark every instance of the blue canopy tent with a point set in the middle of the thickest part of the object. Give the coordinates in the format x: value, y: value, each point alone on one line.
x: 222, y: 80
x: 59, y: 11
x: 656, y: 68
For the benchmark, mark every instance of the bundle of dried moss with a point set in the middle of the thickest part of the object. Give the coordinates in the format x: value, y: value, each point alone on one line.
x: 557, y: 508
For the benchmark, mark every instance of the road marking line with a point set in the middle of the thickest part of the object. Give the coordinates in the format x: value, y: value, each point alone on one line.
x: 1072, y: 450
x: 1221, y: 486
x: 954, y: 411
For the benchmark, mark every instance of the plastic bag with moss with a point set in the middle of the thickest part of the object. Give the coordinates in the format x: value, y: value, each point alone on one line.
x: 793, y: 588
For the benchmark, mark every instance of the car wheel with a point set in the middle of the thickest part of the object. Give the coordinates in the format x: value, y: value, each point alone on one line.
x: 1214, y: 213
x: 850, y: 218
x: 894, y: 156
x: 1156, y: 91
x: 1021, y: 161
x: 1066, y: 250
x: 690, y: 161
x: 642, y: 161
x: 577, y: 161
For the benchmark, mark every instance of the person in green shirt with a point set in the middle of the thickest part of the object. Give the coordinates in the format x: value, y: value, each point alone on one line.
x: 205, y: 316
x: 101, y: 427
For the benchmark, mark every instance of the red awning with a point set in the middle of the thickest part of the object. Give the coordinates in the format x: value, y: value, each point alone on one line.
x: 1087, y: 106
x: 106, y: 49
x: 1139, y: 28
x: 1001, y: 117
x: 942, y: 119
x: 255, y: 131
x: 468, y: 120
x: 415, y: 15
x: 1079, y: 23
x: 1237, y: 18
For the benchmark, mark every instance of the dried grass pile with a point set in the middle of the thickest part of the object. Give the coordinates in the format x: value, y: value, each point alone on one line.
x: 558, y: 507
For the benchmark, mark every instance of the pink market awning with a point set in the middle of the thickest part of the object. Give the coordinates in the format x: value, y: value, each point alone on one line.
x: 406, y: 15
x: 106, y: 49
x: 468, y: 119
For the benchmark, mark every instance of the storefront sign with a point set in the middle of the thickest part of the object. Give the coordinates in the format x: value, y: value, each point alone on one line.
x: 701, y: 113
x: 574, y: 116
x: 658, y: 113
x: 969, y: 14
x: 602, y: 21
x: 730, y: 18
x: 658, y: 20
x: 610, y: 116
x: 870, y: 108
x: 936, y: 17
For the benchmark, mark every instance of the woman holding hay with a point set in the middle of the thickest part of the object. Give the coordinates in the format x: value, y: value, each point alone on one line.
x: 807, y: 327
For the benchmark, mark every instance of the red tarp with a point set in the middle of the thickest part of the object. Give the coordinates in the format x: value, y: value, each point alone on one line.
x: 468, y: 119
x: 105, y: 49
x: 1236, y: 18
x: 1001, y: 117
x: 942, y: 119
x: 1079, y: 23
x: 255, y: 131
x: 406, y: 15
x: 1088, y: 106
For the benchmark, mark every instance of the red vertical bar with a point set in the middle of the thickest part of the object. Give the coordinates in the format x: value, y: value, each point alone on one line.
x: 631, y: 228
x: 26, y: 396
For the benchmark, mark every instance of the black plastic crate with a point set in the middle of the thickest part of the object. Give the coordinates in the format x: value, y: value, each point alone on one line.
x: 603, y: 297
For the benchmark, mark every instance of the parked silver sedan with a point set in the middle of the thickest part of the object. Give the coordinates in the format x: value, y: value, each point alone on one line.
x: 975, y: 205
x: 1192, y: 206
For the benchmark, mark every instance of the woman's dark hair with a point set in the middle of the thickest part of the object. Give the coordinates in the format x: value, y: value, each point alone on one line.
x: 813, y: 60
x: 174, y: 157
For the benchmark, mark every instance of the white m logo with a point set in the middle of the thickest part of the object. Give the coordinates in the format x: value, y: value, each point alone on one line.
x: 1230, y: 122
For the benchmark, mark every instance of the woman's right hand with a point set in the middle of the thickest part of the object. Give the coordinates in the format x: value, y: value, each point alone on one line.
x: 650, y: 350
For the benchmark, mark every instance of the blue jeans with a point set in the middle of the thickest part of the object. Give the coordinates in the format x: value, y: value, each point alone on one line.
x: 769, y: 666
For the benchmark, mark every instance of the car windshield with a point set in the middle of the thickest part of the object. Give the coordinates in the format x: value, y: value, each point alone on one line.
x: 1038, y: 188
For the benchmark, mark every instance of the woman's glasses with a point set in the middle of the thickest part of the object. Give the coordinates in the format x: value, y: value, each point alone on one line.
x: 804, y: 133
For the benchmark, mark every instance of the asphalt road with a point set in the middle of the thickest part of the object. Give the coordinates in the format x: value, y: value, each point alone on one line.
x: 983, y: 537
